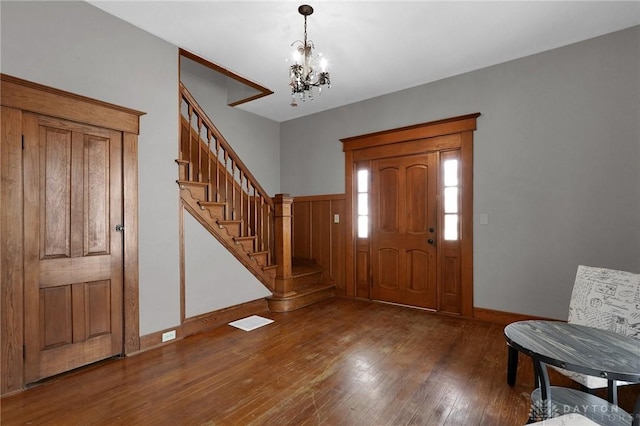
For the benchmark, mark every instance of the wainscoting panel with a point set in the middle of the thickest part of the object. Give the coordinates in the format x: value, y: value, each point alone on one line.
x: 319, y: 226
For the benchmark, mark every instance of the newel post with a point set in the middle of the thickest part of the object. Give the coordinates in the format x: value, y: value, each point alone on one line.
x: 282, y: 231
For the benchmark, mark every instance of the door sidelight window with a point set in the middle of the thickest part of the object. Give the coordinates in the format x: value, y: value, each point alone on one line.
x: 451, y: 199
x: 363, y: 203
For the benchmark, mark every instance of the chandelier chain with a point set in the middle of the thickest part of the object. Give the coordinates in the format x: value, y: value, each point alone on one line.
x: 305, y: 32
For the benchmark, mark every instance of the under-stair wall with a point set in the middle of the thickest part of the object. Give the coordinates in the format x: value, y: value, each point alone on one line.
x: 209, y: 287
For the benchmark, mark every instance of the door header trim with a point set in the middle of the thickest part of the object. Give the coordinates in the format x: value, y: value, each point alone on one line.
x: 40, y: 99
x: 430, y: 129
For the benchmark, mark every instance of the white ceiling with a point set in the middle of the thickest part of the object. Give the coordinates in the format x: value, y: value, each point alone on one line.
x: 374, y: 47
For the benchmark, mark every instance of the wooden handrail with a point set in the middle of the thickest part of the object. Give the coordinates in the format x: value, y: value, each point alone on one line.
x: 235, y: 158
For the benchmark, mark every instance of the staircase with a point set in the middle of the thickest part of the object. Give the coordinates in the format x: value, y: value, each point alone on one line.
x: 218, y: 190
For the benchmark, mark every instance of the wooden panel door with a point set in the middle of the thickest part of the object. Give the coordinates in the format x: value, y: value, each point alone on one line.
x: 73, y: 254
x: 403, y: 252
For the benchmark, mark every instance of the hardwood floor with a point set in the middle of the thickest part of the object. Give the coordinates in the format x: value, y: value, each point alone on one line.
x: 338, y: 362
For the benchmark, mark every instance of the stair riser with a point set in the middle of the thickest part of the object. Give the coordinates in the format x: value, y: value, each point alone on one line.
x: 247, y: 246
x: 216, y: 212
x: 183, y: 172
x: 307, y: 279
x: 261, y: 259
x: 197, y: 191
x: 233, y: 230
x: 270, y: 271
x: 291, y: 304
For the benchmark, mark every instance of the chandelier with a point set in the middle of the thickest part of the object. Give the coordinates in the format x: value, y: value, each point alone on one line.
x: 303, y: 74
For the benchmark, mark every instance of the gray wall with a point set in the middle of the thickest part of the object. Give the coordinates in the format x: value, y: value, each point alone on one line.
x: 214, y: 279
x: 557, y: 164
x: 76, y: 47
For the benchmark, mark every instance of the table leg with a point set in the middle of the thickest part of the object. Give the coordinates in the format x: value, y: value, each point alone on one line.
x: 612, y: 392
x: 545, y: 387
x: 512, y: 366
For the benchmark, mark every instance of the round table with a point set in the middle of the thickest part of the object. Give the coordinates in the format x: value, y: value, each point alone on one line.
x: 586, y: 350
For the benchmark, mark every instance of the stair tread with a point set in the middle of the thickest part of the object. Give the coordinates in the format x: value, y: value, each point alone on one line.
x: 258, y: 253
x: 302, y: 270
x: 211, y: 203
x: 228, y: 222
x: 250, y: 237
x: 189, y: 182
x: 179, y: 161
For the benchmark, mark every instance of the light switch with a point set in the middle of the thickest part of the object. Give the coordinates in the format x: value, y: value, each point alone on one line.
x: 484, y: 218
x: 336, y: 218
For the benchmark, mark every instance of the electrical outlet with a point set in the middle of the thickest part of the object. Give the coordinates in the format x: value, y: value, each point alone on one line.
x: 169, y: 335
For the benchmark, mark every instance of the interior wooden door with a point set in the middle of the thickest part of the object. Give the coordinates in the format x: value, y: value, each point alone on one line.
x: 404, y: 224
x: 73, y: 253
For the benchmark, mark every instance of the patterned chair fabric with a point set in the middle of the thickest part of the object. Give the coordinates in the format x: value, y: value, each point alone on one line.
x: 605, y: 299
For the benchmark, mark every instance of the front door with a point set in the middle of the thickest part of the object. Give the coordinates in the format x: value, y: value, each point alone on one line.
x: 73, y: 253
x: 410, y: 204
x: 404, y: 223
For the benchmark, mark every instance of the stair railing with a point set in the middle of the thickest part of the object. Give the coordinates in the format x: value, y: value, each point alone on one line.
x: 212, y: 161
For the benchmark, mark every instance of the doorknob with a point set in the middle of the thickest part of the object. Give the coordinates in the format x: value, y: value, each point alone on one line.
x: 432, y: 230
x: 430, y: 241
x: 120, y: 228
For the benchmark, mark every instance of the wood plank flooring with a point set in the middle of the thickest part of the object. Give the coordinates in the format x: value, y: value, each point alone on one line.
x: 338, y: 362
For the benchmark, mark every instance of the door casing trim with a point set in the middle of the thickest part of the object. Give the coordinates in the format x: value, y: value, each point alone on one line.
x: 17, y: 96
x: 405, y: 141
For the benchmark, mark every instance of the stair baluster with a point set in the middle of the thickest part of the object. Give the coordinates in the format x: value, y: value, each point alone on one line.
x: 217, y: 170
x: 248, y: 210
x: 233, y: 190
x: 243, y: 223
x: 270, y: 235
x: 255, y: 221
x: 261, y: 226
x: 199, y: 122
x: 190, y: 157
x: 209, y: 186
x: 227, y: 214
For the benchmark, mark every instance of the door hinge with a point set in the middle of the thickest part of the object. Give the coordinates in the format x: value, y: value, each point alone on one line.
x: 24, y: 351
x: 22, y: 141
